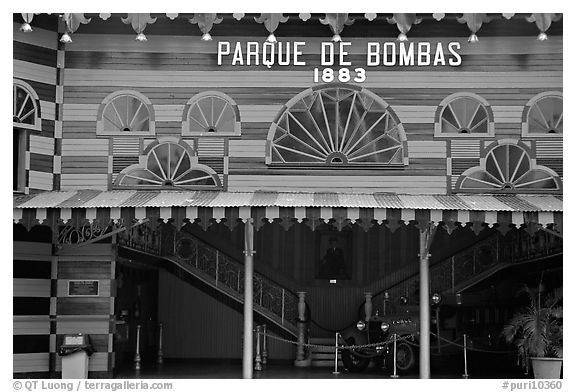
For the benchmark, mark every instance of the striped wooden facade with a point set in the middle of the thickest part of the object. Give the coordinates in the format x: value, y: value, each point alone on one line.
x: 506, y: 71
x: 35, y: 62
x: 69, y: 154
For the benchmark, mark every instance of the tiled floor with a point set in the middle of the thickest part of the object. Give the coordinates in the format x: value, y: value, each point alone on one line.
x: 231, y: 370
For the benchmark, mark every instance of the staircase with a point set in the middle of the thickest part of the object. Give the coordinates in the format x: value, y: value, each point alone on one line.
x: 277, y: 305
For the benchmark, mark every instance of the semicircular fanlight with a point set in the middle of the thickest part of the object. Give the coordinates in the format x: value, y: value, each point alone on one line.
x: 24, y: 106
x: 337, y: 125
x: 464, y: 115
x: 508, y: 168
x: 212, y: 113
x: 169, y: 165
x: 546, y: 115
x: 126, y: 113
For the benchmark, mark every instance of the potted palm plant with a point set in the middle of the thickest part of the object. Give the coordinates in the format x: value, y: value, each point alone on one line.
x: 536, y: 330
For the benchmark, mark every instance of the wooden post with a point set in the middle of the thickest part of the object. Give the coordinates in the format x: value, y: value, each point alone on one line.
x: 137, y: 354
x: 264, y: 346
x: 368, y: 306
x: 258, y: 366
x: 300, y: 353
x: 160, y: 351
x: 424, y: 304
x: 248, y: 297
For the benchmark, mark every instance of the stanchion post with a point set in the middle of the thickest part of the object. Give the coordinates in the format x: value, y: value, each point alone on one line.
x: 258, y: 365
x: 264, y: 346
x: 160, y: 359
x: 465, y: 375
x: 137, y: 359
x: 395, y: 373
x: 336, y: 372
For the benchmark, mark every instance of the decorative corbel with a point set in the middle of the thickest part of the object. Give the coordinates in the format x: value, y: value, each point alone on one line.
x: 286, y: 222
x: 304, y: 16
x: 339, y: 222
x: 205, y: 23
x: 543, y: 22
x: 139, y: 23
x: 172, y: 16
x: 438, y: 16
x: 508, y: 16
x: 25, y: 27
x: 474, y: 22
x: 271, y: 22
x: 404, y: 23
x: 104, y: 16
x: 337, y: 23
x: 72, y: 21
x: 365, y: 224
x: 313, y: 222
x: 238, y: 15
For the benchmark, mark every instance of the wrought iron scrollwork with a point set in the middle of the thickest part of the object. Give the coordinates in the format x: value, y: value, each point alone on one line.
x: 70, y: 234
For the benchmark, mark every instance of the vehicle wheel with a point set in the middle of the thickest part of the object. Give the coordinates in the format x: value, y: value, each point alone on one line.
x: 405, y: 358
x: 354, y: 363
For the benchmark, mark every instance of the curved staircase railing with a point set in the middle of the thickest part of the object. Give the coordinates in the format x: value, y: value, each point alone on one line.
x: 216, y: 268
x: 475, y: 263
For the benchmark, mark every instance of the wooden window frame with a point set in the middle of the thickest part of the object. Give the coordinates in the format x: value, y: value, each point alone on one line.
x: 438, y: 133
x: 100, y: 131
x: 526, y: 112
x: 186, y: 131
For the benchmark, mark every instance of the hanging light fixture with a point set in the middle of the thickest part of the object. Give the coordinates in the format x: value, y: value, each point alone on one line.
x: 543, y: 22
x: 337, y: 23
x: 404, y: 23
x: 271, y: 22
x: 25, y: 27
x: 72, y: 21
x: 474, y: 22
x: 139, y: 23
x: 205, y: 22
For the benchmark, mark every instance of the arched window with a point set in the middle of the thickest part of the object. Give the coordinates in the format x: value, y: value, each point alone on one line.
x: 168, y: 165
x: 125, y: 113
x: 508, y: 167
x: 26, y: 106
x: 464, y: 115
x: 543, y: 115
x: 211, y: 113
x: 336, y: 124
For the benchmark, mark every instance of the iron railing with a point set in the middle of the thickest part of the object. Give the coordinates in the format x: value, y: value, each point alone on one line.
x: 216, y: 267
x: 452, y: 273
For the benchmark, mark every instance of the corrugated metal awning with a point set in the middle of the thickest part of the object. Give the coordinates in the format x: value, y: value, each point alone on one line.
x: 206, y: 205
x: 115, y: 199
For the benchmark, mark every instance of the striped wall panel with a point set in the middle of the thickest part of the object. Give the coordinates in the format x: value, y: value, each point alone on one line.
x: 41, y: 145
x: 125, y: 146
x: 85, y: 147
x: 426, y: 149
x: 247, y: 148
x: 84, y: 181
x: 89, y: 315
x: 464, y: 148
x: 32, y: 311
x: 211, y: 147
x: 40, y: 180
x: 35, y: 62
x: 42, y: 38
x: 264, y: 79
x: 398, y: 184
x: 549, y: 148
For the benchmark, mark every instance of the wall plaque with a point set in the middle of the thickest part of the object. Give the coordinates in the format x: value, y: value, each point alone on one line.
x: 83, y: 288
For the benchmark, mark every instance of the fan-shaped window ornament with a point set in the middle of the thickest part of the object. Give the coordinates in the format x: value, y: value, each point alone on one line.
x: 125, y: 113
x: 464, y: 115
x: 169, y: 165
x: 508, y: 167
x: 211, y: 113
x: 26, y: 106
x: 543, y: 115
x: 336, y: 125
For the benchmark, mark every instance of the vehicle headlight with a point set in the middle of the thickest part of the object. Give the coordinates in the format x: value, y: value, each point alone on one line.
x: 384, y: 326
x: 360, y: 325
